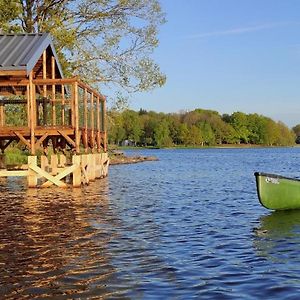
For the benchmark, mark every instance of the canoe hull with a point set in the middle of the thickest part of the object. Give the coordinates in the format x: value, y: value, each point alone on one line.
x: 278, y: 192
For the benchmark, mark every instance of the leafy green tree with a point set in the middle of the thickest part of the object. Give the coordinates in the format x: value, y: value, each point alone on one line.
x: 286, y: 136
x: 207, y: 134
x: 183, y: 134
x: 296, y: 130
x: 195, y: 137
x: 105, y: 41
x: 162, y: 135
x: 132, y: 125
x: 239, y: 122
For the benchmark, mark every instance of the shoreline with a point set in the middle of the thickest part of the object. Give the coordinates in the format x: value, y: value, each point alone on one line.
x: 123, y: 159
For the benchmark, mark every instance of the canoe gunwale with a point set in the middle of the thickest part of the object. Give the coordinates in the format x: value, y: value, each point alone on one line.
x: 261, y: 174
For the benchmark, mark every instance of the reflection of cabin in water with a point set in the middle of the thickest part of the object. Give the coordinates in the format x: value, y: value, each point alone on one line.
x: 38, y: 106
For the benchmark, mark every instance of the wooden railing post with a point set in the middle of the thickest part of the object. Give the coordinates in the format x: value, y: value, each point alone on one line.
x: 32, y: 115
x: 76, y: 118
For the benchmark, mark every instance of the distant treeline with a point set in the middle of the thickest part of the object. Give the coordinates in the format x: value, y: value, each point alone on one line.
x: 195, y: 128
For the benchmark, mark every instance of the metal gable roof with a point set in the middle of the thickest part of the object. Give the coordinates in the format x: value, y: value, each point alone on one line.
x: 22, y: 51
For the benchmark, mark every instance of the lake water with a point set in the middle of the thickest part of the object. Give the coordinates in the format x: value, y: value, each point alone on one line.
x: 187, y: 226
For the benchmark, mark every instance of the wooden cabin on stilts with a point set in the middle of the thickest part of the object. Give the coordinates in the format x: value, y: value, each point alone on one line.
x: 61, y: 118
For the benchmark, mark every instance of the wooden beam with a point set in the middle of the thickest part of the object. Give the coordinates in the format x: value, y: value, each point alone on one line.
x: 13, y: 73
x: 49, y: 81
x: 32, y: 114
x: 90, y: 90
x: 22, y: 82
x: 45, y: 174
x: 21, y: 137
x: 67, y: 138
x: 53, y: 91
x: 92, y: 122
x: 3, y: 147
x: 61, y: 175
x: 28, y: 104
x: 76, y: 114
x: 19, y: 173
x: 41, y: 139
x: 104, y: 126
x: 63, y: 104
x: 2, y: 115
x: 44, y: 87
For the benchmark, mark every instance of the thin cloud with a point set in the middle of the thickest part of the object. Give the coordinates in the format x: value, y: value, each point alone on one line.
x: 239, y: 30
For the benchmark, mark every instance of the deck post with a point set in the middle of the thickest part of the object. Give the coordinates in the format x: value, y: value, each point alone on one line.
x: 32, y: 176
x: 44, y: 163
x: 76, y: 115
x: 104, y: 125
x: 92, y: 123
x: 2, y: 115
x: 77, y: 173
x: 32, y: 114
x: 62, y: 161
x: 44, y: 88
x: 85, y: 121
x: 53, y: 91
x: 54, y: 163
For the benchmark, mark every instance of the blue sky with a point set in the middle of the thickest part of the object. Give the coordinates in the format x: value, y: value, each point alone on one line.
x: 229, y: 55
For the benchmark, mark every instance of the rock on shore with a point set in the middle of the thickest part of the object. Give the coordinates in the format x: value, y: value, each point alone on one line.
x: 123, y: 159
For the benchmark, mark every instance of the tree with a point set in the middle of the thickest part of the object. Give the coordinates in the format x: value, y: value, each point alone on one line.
x: 239, y: 122
x: 162, y: 134
x: 296, y: 129
x: 104, y: 41
x: 194, y: 136
x: 132, y: 125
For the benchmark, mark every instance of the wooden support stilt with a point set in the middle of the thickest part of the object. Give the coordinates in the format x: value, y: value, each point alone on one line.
x: 54, y: 163
x: 98, y: 165
x: 44, y: 163
x: 77, y: 171
x: 84, y: 163
x: 93, y: 167
x: 62, y: 161
x: 32, y: 176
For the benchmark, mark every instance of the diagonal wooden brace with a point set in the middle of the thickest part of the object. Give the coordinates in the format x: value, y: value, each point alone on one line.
x: 21, y: 137
x: 42, y: 138
x: 60, y: 176
x: 67, y: 138
x: 43, y: 173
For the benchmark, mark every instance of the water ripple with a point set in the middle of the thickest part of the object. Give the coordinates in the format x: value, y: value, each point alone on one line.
x: 187, y: 226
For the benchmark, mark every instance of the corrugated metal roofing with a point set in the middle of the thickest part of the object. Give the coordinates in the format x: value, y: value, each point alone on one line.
x: 22, y: 51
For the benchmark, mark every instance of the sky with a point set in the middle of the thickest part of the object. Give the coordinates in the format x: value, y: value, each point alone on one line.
x: 229, y: 55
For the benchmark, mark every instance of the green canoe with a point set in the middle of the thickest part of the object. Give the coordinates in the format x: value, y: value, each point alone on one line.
x: 278, y: 192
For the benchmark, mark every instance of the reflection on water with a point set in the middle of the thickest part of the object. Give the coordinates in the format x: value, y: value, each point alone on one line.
x: 188, y: 226
x: 278, y: 236
x: 52, y: 242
